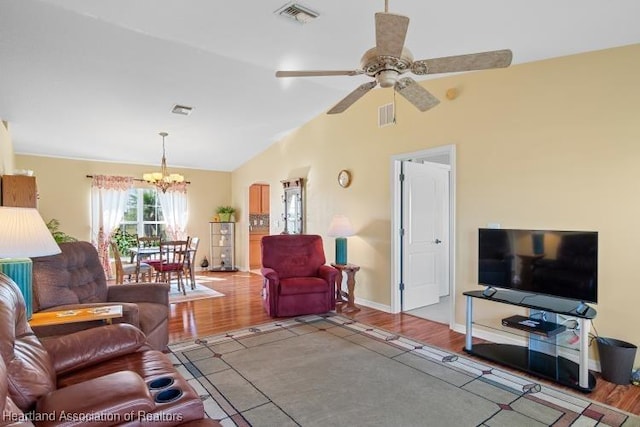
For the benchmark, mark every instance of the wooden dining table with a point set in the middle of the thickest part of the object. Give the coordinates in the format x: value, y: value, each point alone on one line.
x: 144, y: 252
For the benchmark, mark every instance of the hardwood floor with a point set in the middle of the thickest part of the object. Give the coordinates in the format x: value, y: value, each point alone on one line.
x: 241, y: 307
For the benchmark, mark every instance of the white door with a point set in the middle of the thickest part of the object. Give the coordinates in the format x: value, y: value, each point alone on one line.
x: 426, y: 223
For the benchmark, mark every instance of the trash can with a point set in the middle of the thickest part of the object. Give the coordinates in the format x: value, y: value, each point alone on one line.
x: 616, y: 359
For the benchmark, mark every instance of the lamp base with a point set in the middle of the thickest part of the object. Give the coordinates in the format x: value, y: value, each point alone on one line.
x: 341, y: 250
x: 20, y: 271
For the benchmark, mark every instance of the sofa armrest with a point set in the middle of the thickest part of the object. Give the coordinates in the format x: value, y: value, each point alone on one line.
x: 93, y: 346
x: 270, y: 274
x: 328, y: 273
x: 109, y: 400
x: 139, y: 292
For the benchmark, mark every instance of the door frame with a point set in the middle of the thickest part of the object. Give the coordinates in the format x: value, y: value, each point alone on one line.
x: 396, y: 220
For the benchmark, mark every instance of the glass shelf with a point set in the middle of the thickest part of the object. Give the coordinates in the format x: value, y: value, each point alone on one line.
x: 222, y: 246
x: 568, y: 339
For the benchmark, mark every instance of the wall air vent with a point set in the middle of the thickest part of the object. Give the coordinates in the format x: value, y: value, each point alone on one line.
x: 181, y: 109
x: 297, y: 12
x: 386, y: 115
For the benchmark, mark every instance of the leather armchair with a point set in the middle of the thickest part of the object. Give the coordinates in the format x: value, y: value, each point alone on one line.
x: 101, y: 376
x: 75, y: 279
x: 296, y: 279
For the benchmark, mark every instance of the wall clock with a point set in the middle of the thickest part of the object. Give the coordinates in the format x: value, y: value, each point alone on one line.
x: 344, y: 178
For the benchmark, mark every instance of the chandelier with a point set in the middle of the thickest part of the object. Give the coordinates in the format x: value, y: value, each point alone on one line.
x: 163, y: 180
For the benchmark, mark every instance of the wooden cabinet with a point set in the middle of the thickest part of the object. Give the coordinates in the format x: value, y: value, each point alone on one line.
x: 264, y: 199
x: 19, y: 191
x: 255, y: 252
x: 259, y: 199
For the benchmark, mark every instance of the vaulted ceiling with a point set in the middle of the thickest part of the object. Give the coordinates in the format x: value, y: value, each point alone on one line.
x: 96, y: 79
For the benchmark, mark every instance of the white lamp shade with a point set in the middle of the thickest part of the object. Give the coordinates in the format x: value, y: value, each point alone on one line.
x: 340, y: 227
x: 23, y: 234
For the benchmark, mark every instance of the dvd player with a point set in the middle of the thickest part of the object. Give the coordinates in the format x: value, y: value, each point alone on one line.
x: 534, y: 326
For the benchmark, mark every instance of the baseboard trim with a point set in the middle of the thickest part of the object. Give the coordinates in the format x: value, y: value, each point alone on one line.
x: 375, y: 305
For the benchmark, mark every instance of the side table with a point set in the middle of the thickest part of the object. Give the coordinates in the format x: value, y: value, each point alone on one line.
x: 47, y: 318
x: 351, y: 270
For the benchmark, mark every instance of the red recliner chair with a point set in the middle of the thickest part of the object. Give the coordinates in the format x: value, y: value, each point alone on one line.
x: 296, y: 279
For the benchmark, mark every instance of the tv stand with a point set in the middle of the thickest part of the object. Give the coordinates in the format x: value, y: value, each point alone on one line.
x: 582, y: 308
x: 489, y: 291
x: 540, y: 357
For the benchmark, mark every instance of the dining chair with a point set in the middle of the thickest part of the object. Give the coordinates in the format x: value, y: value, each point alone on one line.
x: 172, y: 259
x: 189, y: 263
x: 148, y: 248
x: 137, y: 269
x: 148, y: 243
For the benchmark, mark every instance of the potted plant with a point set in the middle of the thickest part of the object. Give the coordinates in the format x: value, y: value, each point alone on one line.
x: 225, y: 212
x: 124, y: 241
x: 59, y: 236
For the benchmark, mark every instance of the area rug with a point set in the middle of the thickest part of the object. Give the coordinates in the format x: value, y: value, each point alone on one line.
x: 332, y: 371
x: 200, y: 292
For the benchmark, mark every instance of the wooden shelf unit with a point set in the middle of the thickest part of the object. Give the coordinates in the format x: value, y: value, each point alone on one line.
x: 19, y: 191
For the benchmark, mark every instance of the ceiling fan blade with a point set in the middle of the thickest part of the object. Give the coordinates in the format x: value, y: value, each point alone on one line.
x: 470, y: 62
x: 415, y: 94
x: 391, y: 31
x: 352, y: 98
x: 318, y: 73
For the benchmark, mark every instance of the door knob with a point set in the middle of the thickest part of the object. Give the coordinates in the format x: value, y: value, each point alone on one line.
x: 438, y: 241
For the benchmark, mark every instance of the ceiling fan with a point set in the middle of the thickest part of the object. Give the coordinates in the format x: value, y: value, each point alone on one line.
x: 389, y: 59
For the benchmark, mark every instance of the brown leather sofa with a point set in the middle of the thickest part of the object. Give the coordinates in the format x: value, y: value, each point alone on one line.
x: 75, y: 279
x: 104, y: 376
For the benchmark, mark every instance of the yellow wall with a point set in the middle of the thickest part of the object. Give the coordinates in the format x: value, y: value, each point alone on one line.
x: 552, y: 145
x: 6, y: 149
x: 64, y: 193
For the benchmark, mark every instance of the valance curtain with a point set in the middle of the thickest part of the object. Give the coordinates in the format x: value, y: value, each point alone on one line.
x: 108, y: 201
x: 175, y: 211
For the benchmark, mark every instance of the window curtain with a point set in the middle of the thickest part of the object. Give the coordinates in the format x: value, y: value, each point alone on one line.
x: 108, y: 201
x: 174, y: 209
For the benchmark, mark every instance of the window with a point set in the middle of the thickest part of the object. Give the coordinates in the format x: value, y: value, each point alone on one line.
x: 143, y: 214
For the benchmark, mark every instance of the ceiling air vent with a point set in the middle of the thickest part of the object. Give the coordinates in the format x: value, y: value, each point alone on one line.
x: 386, y: 115
x: 297, y: 12
x: 181, y: 109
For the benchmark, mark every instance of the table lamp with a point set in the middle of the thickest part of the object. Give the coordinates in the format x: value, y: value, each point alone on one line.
x: 23, y: 234
x: 340, y: 228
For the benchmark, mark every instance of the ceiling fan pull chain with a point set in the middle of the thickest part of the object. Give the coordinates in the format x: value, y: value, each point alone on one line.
x: 394, y: 107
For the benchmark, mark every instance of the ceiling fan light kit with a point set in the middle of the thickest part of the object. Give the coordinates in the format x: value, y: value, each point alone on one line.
x: 390, y: 59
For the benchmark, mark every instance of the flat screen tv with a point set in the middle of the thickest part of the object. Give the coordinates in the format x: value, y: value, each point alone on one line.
x: 557, y: 263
